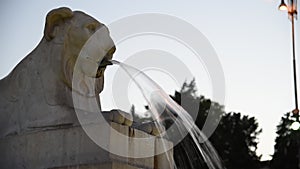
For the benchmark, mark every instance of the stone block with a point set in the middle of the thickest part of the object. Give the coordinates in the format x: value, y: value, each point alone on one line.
x: 165, y: 159
x: 134, y: 144
x: 50, y: 148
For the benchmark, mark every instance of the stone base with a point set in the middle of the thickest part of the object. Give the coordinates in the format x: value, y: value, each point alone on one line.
x: 111, y: 165
x: 70, y: 147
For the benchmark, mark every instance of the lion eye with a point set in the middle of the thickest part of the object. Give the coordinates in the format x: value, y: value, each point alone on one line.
x: 91, y: 27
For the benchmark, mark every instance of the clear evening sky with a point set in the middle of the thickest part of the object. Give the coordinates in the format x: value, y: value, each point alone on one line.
x: 252, y: 39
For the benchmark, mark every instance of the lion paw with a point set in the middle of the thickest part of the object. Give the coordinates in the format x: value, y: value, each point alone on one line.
x: 150, y: 128
x: 124, y: 118
x: 120, y: 117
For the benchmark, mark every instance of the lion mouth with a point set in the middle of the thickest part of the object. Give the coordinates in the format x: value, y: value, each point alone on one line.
x: 102, y: 66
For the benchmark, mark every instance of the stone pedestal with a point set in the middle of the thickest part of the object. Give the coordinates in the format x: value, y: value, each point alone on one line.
x: 110, y: 165
x: 69, y: 147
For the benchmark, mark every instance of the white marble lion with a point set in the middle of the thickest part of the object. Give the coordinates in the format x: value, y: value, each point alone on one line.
x: 38, y: 92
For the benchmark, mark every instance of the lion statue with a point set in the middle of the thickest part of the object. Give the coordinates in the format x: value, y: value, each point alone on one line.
x: 38, y: 92
x: 37, y: 97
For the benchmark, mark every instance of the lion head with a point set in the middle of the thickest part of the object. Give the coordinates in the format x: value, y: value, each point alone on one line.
x: 73, y: 30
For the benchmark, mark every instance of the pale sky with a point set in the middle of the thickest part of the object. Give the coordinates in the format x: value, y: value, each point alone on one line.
x: 252, y: 40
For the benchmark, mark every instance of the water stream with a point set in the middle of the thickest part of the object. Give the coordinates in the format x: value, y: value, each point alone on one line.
x: 167, y: 114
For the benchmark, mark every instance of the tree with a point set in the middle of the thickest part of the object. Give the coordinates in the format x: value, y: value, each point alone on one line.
x: 286, y: 154
x: 236, y: 141
x: 235, y: 138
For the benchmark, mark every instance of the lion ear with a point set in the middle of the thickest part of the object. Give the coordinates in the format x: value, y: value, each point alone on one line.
x: 53, y: 18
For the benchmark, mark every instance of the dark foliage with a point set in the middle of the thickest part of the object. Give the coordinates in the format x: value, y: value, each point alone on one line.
x: 235, y: 138
x: 287, y: 145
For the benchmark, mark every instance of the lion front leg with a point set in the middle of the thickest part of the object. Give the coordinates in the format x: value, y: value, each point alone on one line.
x: 124, y: 118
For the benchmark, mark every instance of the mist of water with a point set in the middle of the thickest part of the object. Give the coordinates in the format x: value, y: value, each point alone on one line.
x: 167, y: 114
